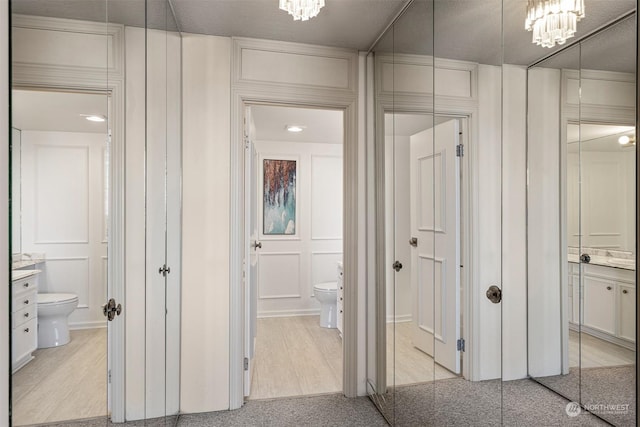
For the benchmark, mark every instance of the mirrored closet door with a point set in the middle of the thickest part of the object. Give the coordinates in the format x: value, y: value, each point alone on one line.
x: 96, y: 150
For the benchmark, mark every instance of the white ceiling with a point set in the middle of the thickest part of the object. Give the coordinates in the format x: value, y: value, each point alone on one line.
x: 321, y: 126
x: 58, y: 111
x: 465, y: 29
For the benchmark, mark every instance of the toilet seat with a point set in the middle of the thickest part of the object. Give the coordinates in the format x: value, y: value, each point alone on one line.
x: 53, y: 298
x: 326, y: 286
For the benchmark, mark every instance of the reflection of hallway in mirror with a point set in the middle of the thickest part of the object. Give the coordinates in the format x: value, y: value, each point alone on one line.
x: 597, y: 353
x: 63, y: 383
x: 295, y: 356
x: 411, y: 366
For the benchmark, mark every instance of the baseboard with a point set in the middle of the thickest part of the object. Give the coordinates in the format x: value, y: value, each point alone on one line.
x: 606, y: 337
x: 94, y: 324
x: 400, y: 318
x: 289, y: 313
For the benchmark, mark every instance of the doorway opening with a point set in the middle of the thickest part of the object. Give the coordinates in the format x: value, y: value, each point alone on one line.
x: 425, y: 243
x: 60, y: 239
x: 293, y: 251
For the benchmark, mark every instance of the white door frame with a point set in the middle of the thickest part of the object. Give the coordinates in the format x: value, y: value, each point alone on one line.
x: 245, y: 90
x: 238, y: 240
x: 465, y: 241
x: 468, y: 111
x: 108, y: 81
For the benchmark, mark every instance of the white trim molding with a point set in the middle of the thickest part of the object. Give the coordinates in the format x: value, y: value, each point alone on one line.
x: 334, y: 92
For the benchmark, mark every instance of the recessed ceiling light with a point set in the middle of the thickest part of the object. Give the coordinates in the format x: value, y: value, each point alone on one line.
x: 624, y: 140
x: 295, y: 128
x: 94, y: 118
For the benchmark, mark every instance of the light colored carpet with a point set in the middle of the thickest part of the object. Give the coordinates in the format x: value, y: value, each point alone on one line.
x: 457, y: 402
x: 613, y: 385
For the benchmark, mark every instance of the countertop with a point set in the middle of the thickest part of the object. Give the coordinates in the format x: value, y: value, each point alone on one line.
x: 21, y: 274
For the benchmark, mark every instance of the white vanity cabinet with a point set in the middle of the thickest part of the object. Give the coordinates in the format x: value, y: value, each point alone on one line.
x: 24, y: 315
x: 608, y: 301
x: 340, y: 299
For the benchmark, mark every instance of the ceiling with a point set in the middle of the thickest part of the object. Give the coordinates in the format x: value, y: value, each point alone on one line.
x: 320, y: 126
x: 58, y: 111
x: 465, y: 29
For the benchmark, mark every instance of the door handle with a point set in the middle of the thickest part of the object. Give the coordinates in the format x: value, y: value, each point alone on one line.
x: 413, y: 242
x: 397, y: 266
x: 111, y: 310
x: 494, y: 294
x: 257, y: 245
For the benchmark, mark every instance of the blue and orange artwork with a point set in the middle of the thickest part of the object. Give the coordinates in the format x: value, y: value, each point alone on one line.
x: 279, y: 197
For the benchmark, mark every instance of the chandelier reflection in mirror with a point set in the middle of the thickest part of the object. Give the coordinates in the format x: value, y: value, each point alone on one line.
x: 302, y: 9
x: 553, y: 21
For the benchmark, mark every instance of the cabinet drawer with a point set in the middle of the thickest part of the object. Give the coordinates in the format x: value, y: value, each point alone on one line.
x: 23, y: 316
x: 24, y: 300
x: 24, y: 340
x: 24, y: 285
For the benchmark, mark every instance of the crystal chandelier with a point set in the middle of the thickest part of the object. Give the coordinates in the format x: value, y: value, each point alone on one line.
x: 553, y: 21
x: 302, y: 9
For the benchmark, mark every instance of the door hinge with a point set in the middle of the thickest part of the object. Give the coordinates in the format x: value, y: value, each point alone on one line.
x: 460, y: 344
x: 459, y: 150
x: 109, y: 376
x: 246, y: 363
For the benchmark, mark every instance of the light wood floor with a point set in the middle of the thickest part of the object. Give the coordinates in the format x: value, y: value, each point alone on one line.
x: 63, y: 383
x: 405, y: 363
x: 597, y: 353
x: 295, y: 356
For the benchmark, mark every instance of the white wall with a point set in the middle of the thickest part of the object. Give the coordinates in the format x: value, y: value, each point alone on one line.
x: 514, y: 216
x: 63, y: 193
x: 204, y: 384
x: 310, y: 256
x: 543, y: 215
x: 5, y: 252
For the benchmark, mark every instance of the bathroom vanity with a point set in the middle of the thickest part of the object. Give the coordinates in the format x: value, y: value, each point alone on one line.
x: 24, y: 315
x: 608, y: 301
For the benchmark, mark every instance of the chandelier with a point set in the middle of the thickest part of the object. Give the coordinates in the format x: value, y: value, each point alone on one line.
x: 302, y: 9
x: 553, y: 21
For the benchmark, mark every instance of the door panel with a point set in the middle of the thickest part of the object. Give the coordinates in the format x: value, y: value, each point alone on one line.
x: 435, y: 219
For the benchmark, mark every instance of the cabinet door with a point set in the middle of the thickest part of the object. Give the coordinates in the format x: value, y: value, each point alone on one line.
x: 627, y: 312
x: 599, y: 304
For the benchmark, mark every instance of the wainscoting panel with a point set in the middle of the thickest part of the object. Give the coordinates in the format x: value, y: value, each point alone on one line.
x: 279, y: 275
x: 62, y: 194
x: 326, y: 197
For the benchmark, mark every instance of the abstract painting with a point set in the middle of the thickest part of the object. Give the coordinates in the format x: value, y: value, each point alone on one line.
x: 279, y: 197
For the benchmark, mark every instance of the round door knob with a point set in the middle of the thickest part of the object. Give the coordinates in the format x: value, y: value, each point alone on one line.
x: 26, y: 330
x: 585, y: 258
x: 26, y: 315
x: 608, y: 288
x: 26, y: 301
x: 494, y: 294
x: 624, y: 291
x: 26, y: 285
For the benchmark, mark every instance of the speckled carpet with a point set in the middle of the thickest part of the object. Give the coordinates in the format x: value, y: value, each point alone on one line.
x: 451, y: 402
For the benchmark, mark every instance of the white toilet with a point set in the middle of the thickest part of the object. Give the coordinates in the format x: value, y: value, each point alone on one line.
x: 326, y: 294
x: 53, y: 315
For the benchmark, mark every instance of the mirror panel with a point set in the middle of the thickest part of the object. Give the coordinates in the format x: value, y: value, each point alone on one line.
x: 607, y: 170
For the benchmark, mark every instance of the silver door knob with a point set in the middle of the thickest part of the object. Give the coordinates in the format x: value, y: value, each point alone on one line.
x: 397, y: 266
x: 413, y: 242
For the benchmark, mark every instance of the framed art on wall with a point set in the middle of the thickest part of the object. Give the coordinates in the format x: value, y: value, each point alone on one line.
x: 279, y: 197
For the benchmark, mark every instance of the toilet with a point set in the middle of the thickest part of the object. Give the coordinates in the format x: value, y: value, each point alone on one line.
x: 53, y: 315
x: 326, y: 294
